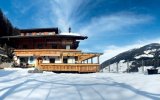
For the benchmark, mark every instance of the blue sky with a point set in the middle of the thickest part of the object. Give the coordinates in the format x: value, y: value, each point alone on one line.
x: 113, y: 26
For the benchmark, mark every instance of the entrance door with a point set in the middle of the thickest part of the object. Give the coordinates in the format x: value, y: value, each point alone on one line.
x: 65, y: 60
x: 52, y: 60
x: 24, y: 62
x: 24, y: 59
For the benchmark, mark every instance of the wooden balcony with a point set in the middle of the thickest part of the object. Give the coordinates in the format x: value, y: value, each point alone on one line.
x: 43, y: 52
x: 56, y: 52
x: 81, y: 63
x: 69, y: 67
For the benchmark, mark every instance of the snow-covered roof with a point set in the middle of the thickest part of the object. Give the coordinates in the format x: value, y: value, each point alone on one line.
x: 78, y: 36
x: 73, y: 34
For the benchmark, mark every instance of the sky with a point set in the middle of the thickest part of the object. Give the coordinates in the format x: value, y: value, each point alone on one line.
x: 112, y: 26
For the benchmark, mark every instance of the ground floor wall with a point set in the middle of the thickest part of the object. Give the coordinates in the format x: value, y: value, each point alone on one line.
x: 31, y: 60
x: 56, y: 64
x: 58, y: 59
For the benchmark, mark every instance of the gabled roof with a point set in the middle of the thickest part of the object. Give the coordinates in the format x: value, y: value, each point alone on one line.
x: 40, y: 36
x: 39, y: 30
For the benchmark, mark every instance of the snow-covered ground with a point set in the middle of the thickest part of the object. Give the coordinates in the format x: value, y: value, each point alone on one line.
x: 17, y: 84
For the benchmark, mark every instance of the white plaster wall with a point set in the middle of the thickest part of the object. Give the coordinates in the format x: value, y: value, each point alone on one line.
x: 18, y: 61
x: 46, y: 60
x: 57, y: 60
x: 71, y: 60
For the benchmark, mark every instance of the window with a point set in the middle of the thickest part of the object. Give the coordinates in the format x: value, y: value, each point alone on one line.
x: 76, y: 59
x: 42, y: 33
x: 68, y: 47
x: 27, y: 34
x: 31, y: 59
x: 52, y: 60
x: 54, y: 46
x: 50, y: 33
x: 39, y: 46
x: 25, y: 46
x: 38, y: 33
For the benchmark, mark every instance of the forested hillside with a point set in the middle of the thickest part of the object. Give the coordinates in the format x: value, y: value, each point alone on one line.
x: 6, y: 28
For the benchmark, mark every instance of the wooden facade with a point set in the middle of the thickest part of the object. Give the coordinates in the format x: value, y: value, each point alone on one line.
x: 48, y: 50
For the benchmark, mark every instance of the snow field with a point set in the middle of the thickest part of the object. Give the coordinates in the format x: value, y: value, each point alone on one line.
x: 17, y: 84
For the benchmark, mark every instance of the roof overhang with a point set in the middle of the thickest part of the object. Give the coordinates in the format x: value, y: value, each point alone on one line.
x: 24, y: 55
x: 53, y: 55
x: 43, y: 36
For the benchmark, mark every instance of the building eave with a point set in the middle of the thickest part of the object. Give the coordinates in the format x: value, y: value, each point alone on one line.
x: 41, y: 36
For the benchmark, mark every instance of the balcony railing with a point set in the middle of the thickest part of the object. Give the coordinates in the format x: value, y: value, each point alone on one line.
x: 70, y: 67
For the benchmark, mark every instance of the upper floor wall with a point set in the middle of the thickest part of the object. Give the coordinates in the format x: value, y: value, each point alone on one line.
x: 42, y: 38
x: 44, y: 43
x: 38, y: 31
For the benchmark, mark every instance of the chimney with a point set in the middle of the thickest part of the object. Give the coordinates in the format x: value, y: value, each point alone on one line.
x: 69, y: 29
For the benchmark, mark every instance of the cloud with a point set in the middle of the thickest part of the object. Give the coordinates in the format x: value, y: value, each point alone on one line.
x: 66, y: 12
x: 114, y: 22
x: 22, y: 8
x: 78, y: 14
x: 113, y: 50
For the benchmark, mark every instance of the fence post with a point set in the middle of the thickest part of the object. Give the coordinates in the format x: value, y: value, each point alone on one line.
x: 142, y: 66
x: 109, y: 67
x: 117, y: 66
x: 127, y: 66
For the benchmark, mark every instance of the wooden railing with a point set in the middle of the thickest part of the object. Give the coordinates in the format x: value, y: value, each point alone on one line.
x: 55, y: 50
x: 70, y: 67
x: 34, y: 50
x: 40, y: 52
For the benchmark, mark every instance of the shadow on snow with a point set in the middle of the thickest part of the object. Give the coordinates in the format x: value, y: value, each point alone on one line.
x: 64, y: 83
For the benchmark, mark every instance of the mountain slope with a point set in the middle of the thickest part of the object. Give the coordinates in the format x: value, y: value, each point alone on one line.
x: 147, y: 52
